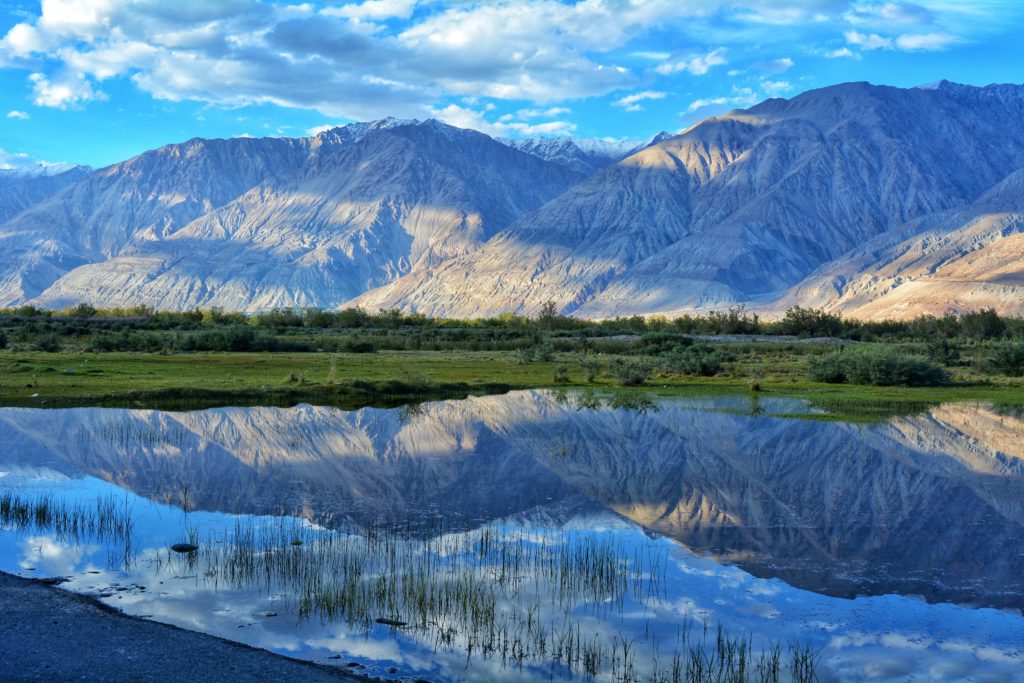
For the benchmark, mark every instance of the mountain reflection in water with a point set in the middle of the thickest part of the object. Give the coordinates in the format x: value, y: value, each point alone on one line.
x: 930, y: 505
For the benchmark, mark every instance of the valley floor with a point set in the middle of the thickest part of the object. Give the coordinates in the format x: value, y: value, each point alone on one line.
x: 350, y: 380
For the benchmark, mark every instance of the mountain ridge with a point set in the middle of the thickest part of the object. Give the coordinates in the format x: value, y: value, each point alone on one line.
x: 762, y: 207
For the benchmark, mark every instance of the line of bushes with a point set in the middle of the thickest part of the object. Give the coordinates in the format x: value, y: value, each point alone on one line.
x: 797, y: 321
x: 880, y: 367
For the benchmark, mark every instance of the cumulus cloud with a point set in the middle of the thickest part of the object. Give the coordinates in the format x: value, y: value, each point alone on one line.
x: 361, y: 59
x: 21, y: 115
x: 374, y: 9
x: 697, y: 65
x: 68, y: 90
x: 632, y: 102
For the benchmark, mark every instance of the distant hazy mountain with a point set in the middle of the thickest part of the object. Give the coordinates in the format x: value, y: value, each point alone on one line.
x: 22, y: 187
x: 584, y: 155
x: 257, y: 223
x: 869, y: 199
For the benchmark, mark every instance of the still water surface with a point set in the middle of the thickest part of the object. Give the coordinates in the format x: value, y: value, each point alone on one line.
x: 541, y: 535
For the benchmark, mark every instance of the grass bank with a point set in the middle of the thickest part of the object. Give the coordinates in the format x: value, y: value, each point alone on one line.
x: 349, y: 380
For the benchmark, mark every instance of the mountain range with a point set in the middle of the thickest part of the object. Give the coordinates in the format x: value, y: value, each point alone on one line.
x: 869, y: 200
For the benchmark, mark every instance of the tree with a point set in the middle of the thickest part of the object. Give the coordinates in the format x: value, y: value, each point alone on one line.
x: 548, y: 317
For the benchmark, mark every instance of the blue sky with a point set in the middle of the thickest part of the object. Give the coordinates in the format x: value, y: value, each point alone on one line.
x: 98, y: 81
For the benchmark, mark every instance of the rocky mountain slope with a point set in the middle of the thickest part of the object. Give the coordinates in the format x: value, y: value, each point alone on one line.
x: 872, y: 200
x: 962, y: 260
x: 739, y: 208
x: 258, y: 223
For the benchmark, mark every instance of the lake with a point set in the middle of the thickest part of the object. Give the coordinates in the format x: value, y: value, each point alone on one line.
x: 543, y: 535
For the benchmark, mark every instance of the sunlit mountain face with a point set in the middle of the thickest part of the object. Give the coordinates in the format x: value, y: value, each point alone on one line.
x: 535, y: 514
x: 852, y: 198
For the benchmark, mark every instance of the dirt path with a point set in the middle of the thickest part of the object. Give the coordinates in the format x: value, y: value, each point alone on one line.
x: 48, y: 634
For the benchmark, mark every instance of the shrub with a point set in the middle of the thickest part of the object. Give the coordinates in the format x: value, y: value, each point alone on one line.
x: 527, y: 354
x: 545, y: 353
x: 810, y: 322
x: 695, y: 360
x: 1007, y: 359
x: 591, y: 369
x: 880, y: 368
x: 49, y: 343
x: 359, y: 346
x: 3, y: 340
x: 631, y: 373
x: 561, y: 375
x: 983, y: 324
x: 942, y: 351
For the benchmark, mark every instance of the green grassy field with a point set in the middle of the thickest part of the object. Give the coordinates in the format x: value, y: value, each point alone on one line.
x: 391, y: 377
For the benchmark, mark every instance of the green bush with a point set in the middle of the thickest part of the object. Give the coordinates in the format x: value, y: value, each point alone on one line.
x: 880, y: 368
x: 631, y: 373
x: 810, y: 322
x: 1007, y: 359
x: 49, y: 343
x: 700, y: 360
x: 943, y: 351
x: 591, y: 369
x: 359, y: 346
x: 561, y: 374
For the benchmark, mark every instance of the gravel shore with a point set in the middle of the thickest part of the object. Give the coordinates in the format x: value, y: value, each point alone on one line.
x: 49, y: 634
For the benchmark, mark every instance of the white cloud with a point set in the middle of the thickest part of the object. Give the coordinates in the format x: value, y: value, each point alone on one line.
x: 23, y: 40
x: 908, y: 42
x: 776, y: 66
x: 741, y: 97
x: 369, y: 58
x: 697, y: 65
x: 632, y: 102
x: 316, y: 130
x: 374, y: 10
x: 68, y: 90
x: 21, y: 115
x: 775, y: 88
x: 925, y: 41
x: 888, y: 14
x: 843, y: 52
x: 868, y: 41
x: 464, y: 117
x: 762, y: 13
x: 535, y: 113
x: 651, y: 55
x: 20, y: 160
